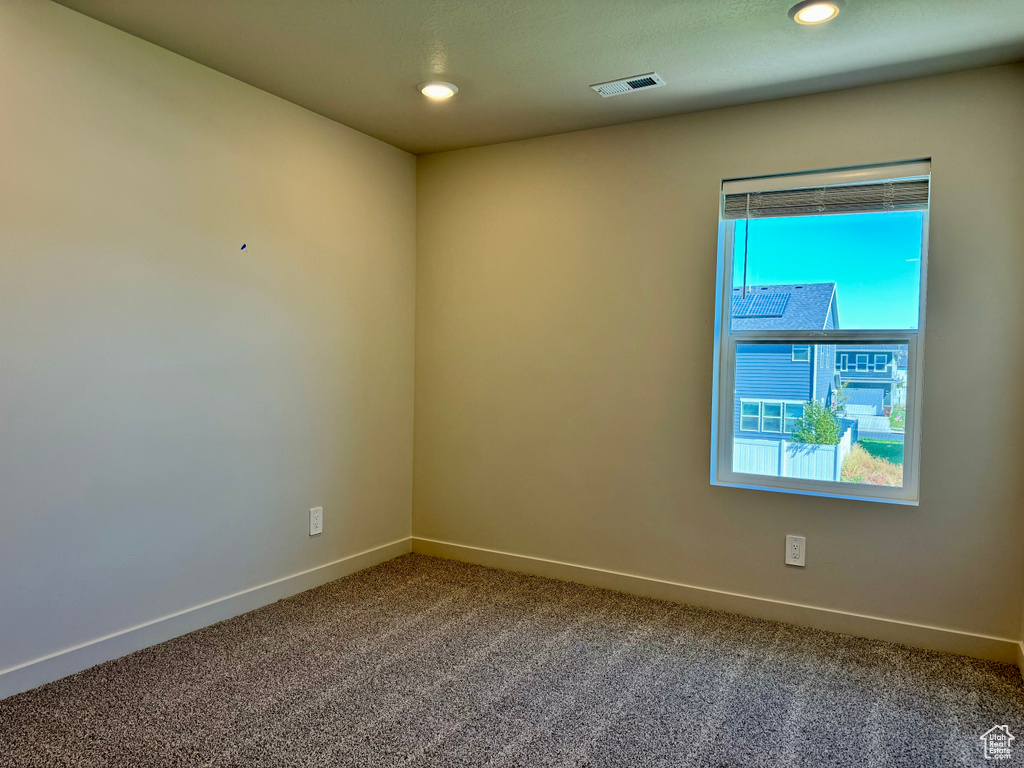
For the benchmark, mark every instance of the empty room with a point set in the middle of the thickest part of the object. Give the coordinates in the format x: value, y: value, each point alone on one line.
x: 511, y: 383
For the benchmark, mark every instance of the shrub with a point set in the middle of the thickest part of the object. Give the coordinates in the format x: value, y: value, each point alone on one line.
x: 817, y: 426
x: 841, y: 399
x: 898, y: 417
x: 861, y: 467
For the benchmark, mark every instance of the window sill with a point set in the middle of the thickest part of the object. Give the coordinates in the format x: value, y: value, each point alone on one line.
x: 755, y: 486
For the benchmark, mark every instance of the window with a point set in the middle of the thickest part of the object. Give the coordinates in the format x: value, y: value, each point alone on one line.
x: 793, y: 412
x: 750, y: 416
x: 771, y: 417
x: 828, y: 266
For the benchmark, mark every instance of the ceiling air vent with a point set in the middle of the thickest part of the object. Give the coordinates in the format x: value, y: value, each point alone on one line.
x: 627, y: 84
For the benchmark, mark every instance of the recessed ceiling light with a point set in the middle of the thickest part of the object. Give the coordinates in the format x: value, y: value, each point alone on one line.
x: 437, y: 90
x: 815, y: 11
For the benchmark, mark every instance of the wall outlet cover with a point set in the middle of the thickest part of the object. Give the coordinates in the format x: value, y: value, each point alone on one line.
x: 316, y: 521
x: 796, y: 550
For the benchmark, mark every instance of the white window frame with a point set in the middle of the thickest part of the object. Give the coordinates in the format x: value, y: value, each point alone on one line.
x: 760, y: 414
x: 881, y: 366
x: 806, y: 348
x: 867, y: 362
x: 781, y: 417
x: 744, y: 401
x: 726, y: 341
x: 784, y: 417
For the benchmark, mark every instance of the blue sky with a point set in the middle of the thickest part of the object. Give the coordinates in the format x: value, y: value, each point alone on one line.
x: 874, y: 258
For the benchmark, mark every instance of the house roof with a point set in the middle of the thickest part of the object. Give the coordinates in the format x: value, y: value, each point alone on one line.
x: 794, y: 307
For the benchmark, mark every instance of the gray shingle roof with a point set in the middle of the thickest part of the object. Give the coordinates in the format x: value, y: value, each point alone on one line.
x: 806, y: 309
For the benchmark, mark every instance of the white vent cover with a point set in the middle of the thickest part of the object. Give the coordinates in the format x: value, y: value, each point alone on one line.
x: 628, y: 84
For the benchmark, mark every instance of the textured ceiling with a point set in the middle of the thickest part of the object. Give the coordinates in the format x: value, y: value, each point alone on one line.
x: 524, y: 66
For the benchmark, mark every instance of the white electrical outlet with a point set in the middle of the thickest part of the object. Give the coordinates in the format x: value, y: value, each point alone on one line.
x: 796, y: 550
x: 316, y: 521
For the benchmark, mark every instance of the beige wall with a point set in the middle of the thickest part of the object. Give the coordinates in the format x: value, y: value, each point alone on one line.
x: 170, y: 405
x: 565, y: 301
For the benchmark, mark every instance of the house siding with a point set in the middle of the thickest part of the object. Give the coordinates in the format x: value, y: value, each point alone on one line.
x: 768, y: 372
x: 825, y: 356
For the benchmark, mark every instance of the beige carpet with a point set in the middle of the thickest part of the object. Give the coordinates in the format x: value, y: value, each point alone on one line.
x: 429, y: 662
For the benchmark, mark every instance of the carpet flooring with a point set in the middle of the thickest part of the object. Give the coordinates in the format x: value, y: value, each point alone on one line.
x: 427, y: 662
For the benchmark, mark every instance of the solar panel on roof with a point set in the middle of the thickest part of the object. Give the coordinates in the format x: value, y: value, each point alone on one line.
x: 760, y: 305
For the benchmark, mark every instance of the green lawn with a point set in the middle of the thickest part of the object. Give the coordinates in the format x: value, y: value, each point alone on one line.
x: 890, y: 450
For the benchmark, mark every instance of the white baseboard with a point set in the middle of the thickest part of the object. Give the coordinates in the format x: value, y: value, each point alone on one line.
x: 70, y: 660
x: 918, y: 635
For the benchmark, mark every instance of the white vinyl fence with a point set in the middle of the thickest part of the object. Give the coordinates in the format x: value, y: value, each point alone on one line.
x: 786, y: 459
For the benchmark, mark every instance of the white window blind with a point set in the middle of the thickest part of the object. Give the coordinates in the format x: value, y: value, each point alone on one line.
x: 899, y: 195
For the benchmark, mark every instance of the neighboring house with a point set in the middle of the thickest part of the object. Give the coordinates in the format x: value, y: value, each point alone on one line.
x: 875, y: 378
x: 774, y: 381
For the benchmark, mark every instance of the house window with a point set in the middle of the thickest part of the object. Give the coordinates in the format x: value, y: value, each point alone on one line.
x: 834, y: 261
x: 750, y: 416
x: 771, y: 417
x: 793, y: 412
x: 757, y: 416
